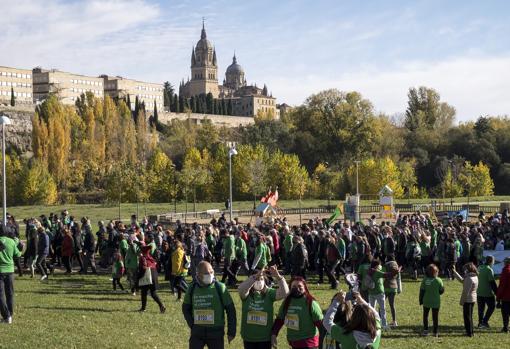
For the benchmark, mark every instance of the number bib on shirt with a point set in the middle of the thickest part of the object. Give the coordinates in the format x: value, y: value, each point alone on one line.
x: 292, y: 321
x: 204, y: 317
x: 256, y: 318
x: 329, y: 342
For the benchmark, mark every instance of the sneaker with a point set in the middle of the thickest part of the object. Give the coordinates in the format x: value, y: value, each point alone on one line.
x: 44, y: 277
x: 133, y: 294
x: 9, y: 320
x: 504, y: 330
x: 393, y: 324
x: 436, y: 335
x: 425, y: 333
x: 162, y: 310
x: 141, y: 310
x: 486, y: 325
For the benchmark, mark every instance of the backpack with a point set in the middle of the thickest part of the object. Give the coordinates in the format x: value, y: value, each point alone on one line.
x: 216, y: 286
x: 186, y: 261
x: 368, y: 282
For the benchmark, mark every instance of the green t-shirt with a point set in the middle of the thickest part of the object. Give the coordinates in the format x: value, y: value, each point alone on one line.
x: 432, y: 295
x: 287, y: 242
x: 340, y: 245
x: 7, y: 252
x: 378, y: 277
x: 229, y: 248
x: 123, y: 247
x: 347, y: 340
x: 131, y: 259
x: 206, y: 305
x: 425, y: 248
x: 241, y: 251
x: 300, y: 319
x: 362, y: 271
x: 262, y: 250
x: 257, y: 316
x: 209, y: 240
x: 485, y: 277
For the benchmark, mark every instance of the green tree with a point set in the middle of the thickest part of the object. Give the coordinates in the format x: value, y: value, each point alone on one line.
x: 194, y: 173
x: 38, y: 187
x: 250, y: 170
x: 13, y: 99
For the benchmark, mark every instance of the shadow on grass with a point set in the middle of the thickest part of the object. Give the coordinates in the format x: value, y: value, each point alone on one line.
x: 101, y: 310
x: 444, y: 331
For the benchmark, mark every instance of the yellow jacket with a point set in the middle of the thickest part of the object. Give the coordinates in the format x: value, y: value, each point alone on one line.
x: 177, y: 263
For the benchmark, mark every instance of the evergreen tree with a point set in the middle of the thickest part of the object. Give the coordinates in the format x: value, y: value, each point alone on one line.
x: 214, y: 107
x: 193, y: 104
x: 175, y: 103
x: 155, y: 115
x: 230, y: 108
x: 128, y: 102
x: 137, y: 110
x: 181, y: 104
x: 209, y: 103
x: 13, y: 99
x: 219, y: 106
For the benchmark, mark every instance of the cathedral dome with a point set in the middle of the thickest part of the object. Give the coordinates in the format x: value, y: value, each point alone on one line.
x: 235, y: 68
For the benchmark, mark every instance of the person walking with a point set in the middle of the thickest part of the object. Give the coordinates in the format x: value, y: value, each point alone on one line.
x: 43, y: 249
x: 485, y: 294
x: 392, y: 287
x: 89, y: 247
x: 205, y: 303
x: 67, y: 250
x: 8, y: 252
x: 117, y: 271
x: 431, y: 289
x: 468, y: 297
x: 301, y: 314
x: 179, y: 270
x: 503, y: 294
x: 148, y: 278
x: 131, y: 264
x: 257, y: 308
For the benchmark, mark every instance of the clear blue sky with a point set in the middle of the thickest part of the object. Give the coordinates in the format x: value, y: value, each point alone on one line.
x: 380, y: 48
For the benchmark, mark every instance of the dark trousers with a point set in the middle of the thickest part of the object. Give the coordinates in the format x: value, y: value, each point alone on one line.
x: 227, y: 273
x: 505, y: 313
x: 6, y: 295
x: 391, y: 301
x: 89, y: 259
x: 200, y: 343
x: 491, y: 305
x: 41, y: 265
x: 435, y: 319
x: 257, y: 345
x: 467, y: 312
x: 330, y: 272
x: 154, y: 294
x: 115, y: 282
x: 77, y: 256
x: 67, y: 263
x: 180, y: 284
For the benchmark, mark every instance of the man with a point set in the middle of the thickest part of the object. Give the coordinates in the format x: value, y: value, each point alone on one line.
x: 503, y: 294
x: 204, y: 307
x: 228, y: 257
x: 8, y: 251
x: 485, y: 292
x: 89, y: 247
x: 43, y: 249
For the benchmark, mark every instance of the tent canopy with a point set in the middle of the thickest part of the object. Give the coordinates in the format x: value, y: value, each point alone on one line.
x: 265, y: 209
x: 386, y: 190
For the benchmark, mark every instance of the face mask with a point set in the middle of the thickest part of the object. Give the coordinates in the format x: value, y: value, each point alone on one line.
x: 294, y: 292
x: 207, y: 279
x: 259, y: 285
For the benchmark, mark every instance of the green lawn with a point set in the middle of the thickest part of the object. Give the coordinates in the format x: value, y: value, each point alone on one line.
x: 83, y: 312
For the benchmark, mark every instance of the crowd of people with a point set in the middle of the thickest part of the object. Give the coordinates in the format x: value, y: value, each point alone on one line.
x: 371, y: 258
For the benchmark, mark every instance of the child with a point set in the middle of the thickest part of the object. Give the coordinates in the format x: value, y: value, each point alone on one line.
x: 117, y: 271
x: 431, y: 290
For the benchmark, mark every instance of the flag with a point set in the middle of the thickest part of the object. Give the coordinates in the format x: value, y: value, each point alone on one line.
x: 339, y: 209
x: 273, y: 198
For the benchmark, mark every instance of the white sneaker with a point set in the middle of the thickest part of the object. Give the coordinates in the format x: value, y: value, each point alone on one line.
x: 9, y: 320
x: 44, y: 277
x: 394, y: 324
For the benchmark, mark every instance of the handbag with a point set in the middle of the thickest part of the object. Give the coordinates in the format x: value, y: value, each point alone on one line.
x: 146, y: 279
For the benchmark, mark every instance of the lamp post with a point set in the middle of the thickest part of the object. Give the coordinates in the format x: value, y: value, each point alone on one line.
x: 231, y: 151
x: 356, y: 212
x: 175, y: 187
x: 451, y: 182
x: 4, y: 120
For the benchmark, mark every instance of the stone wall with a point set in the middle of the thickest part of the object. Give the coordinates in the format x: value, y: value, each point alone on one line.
x: 18, y: 135
x: 218, y: 120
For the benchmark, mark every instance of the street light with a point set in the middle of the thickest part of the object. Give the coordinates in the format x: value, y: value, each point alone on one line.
x: 4, y: 120
x: 356, y: 212
x: 231, y: 151
x: 175, y: 186
x: 451, y: 182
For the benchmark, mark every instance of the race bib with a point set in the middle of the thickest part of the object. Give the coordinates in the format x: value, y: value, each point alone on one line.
x: 257, y: 318
x: 329, y: 342
x: 292, y: 321
x: 204, y: 317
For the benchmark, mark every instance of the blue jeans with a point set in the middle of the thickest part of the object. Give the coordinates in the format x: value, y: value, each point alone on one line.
x: 6, y: 294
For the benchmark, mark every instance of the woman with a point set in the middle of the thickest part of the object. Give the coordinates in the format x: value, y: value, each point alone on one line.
x: 468, y: 297
x: 179, y: 270
x: 431, y: 290
x: 67, y: 250
x: 503, y: 294
x: 302, y: 315
x: 131, y: 263
x: 362, y: 330
x: 257, y: 308
x: 392, y: 287
x: 148, y: 278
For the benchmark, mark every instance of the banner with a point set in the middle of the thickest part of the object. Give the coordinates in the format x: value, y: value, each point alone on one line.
x: 499, y: 257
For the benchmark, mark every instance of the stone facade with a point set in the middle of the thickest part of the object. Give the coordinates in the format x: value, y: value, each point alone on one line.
x: 149, y: 93
x: 18, y: 135
x: 18, y: 81
x: 67, y: 86
x: 218, y: 120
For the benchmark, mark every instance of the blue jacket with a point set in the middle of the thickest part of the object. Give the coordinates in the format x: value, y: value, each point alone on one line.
x: 43, y: 244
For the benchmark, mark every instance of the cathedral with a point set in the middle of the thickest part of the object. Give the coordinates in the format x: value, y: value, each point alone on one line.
x: 247, y: 100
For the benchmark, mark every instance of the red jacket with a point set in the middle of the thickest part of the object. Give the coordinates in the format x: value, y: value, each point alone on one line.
x: 67, y: 246
x: 503, y: 293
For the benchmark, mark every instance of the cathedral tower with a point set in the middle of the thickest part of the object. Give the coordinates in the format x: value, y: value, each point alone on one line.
x: 204, y: 68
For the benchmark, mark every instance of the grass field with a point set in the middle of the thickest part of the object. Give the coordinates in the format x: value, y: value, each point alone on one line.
x: 83, y: 312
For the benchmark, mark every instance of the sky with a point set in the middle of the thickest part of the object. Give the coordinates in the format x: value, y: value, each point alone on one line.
x: 298, y: 48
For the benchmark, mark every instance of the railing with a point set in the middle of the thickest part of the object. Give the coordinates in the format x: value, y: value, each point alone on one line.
x: 474, y: 210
